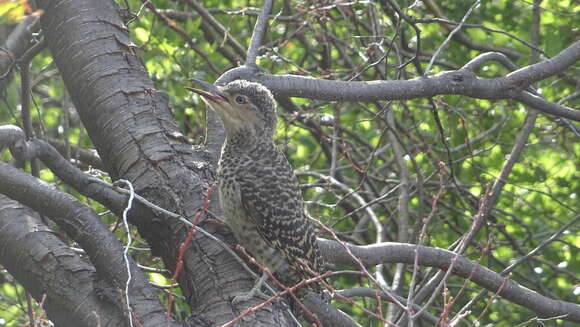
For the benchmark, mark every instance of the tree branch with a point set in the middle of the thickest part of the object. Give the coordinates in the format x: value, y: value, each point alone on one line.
x: 373, y: 293
x: 84, y: 156
x: 431, y: 257
x: 86, y: 228
x: 258, y: 34
x: 462, y: 81
x: 15, y: 46
x: 327, y: 314
x: 47, y: 267
x: 207, y: 17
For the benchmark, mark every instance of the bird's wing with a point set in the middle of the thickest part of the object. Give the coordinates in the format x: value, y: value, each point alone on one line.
x: 272, y: 199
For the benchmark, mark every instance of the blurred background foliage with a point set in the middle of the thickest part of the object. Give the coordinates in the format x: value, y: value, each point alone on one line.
x: 364, y: 40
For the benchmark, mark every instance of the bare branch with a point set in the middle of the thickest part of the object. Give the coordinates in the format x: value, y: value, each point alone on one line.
x: 464, y: 38
x: 10, y: 135
x: 451, y: 34
x: 461, y: 81
x: 61, y: 167
x: 258, y: 34
x: 85, y: 227
x: 16, y: 45
x: 86, y: 157
x: 370, y: 292
x: 182, y: 33
x: 327, y: 314
x: 49, y: 269
x: 206, y: 15
x: 442, y: 259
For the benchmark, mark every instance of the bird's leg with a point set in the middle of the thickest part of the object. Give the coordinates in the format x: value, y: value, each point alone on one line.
x: 255, y: 291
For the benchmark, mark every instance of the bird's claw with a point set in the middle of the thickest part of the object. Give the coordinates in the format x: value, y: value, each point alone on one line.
x: 244, y: 297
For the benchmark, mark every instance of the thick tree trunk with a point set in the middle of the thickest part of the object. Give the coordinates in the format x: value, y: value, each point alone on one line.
x: 133, y: 130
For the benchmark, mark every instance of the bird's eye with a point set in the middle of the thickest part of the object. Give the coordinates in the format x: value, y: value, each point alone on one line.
x: 240, y: 99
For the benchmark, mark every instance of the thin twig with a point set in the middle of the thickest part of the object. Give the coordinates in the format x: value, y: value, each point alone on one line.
x: 258, y: 33
x: 455, y: 30
x: 171, y: 24
x: 216, y: 25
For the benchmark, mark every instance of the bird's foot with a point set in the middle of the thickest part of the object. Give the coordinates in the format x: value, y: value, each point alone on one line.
x: 256, y: 291
x: 243, y: 297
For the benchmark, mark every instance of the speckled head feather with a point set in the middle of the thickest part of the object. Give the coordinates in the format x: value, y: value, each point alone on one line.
x: 247, y: 109
x: 256, y: 92
x: 258, y: 95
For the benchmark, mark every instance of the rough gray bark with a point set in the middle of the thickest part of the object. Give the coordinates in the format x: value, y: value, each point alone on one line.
x: 48, y: 267
x: 133, y: 130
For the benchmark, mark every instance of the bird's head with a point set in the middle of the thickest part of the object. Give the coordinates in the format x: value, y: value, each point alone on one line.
x: 244, y: 107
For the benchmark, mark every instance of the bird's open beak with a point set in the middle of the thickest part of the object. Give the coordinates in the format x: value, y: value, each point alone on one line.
x: 213, y: 94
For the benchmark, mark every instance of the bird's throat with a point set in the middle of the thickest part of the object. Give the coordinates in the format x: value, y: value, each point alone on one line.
x: 240, y: 137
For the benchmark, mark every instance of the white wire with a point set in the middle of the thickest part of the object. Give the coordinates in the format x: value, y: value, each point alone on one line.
x: 129, y: 240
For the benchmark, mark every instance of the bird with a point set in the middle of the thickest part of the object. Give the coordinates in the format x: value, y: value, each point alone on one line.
x: 258, y: 190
